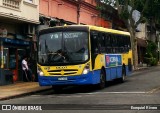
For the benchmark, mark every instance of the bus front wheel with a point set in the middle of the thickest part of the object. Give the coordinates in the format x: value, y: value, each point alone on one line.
x: 102, y: 83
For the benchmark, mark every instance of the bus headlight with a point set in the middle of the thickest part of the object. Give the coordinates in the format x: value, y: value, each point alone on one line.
x: 86, y: 69
x: 39, y: 71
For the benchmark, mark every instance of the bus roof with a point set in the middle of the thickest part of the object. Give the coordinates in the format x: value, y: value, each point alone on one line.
x: 91, y: 27
x: 109, y: 30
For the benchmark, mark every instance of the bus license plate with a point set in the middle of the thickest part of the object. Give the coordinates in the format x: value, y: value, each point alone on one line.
x: 63, y: 78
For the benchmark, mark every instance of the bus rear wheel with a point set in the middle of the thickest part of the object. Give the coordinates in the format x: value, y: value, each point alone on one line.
x: 102, y: 83
x: 123, y: 78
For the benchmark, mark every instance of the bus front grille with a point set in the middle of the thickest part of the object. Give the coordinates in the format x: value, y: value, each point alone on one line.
x: 63, y: 72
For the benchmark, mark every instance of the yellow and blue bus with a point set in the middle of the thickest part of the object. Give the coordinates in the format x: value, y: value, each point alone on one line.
x: 82, y: 55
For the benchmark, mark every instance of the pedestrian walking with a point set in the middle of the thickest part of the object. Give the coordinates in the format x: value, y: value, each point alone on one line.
x: 27, y: 73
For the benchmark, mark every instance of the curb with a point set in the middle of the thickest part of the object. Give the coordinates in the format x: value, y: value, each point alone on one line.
x: 23, y: 94
x: 145, y: 67
x: 142, y: 68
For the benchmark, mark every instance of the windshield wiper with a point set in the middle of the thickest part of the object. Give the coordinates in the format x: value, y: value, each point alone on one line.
x: 56, y: 57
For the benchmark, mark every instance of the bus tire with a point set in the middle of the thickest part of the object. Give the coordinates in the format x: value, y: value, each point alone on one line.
x: 123, y: 78
x: 102, y: 83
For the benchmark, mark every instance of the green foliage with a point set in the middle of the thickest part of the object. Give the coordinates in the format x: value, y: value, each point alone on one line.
x: 149, y: 9
x: 152, y: 48
x: 121, y: 2
x: 152, y: 10
x: 143, y: 20
x: 100, y: 7
x: 151, y: 54
x: 124, y: 14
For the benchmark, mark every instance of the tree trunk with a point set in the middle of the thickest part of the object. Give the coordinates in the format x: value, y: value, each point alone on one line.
x: 130, y: 22
x: 134, y: 48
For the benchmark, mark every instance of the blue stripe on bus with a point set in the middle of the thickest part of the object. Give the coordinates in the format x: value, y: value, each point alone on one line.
x: 90, y: 78
x: 119, y: 71
x: 115, y: 72
x: 128, y: 73
x: 72, y: 80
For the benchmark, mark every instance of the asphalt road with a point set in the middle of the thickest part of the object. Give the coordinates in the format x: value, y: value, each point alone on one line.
x: 139, y: 91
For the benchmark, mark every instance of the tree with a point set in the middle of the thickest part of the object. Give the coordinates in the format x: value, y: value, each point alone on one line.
x: 126, y: 10
x: 151, y: 54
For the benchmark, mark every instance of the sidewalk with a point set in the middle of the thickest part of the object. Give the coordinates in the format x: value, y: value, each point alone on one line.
x: 20, y: 89
x: 141, y: 67
x: 144, y: 66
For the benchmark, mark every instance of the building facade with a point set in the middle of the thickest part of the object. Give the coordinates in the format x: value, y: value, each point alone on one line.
x: 60, y: 12
x: 18, y: 19
x: 145, y: 33
x: 141, y: 36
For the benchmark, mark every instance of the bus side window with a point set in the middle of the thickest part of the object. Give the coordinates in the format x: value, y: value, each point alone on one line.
x: 118, y: 46
x: 112, y: 43
x: 94, y: 39
x: 122, y: 44
x: 125, y: 38
x: 108, y: 43
x: 102, y: 39
x: 101, y: 42
x: 117, y: 42
x: 115, y: 47
x: 129, y: 42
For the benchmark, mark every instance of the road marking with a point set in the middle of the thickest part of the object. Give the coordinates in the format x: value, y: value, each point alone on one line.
x: 113, y: 93
x: 80, y: 95
x: 154, y: 90
x: 94, y: 93
x: 125, y: 92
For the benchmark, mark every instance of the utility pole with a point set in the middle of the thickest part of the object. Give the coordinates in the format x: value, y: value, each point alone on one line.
x: 78, y: 11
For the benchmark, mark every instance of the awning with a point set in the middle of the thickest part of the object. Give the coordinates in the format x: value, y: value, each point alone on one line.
x: 141, y: 42
x: 15, y: 41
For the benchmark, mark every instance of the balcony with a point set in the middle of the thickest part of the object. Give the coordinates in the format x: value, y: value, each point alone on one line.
x: 13, y: 10
x: 14, y: 4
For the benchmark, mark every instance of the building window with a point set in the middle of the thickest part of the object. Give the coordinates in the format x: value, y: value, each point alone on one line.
x: 29, y: 1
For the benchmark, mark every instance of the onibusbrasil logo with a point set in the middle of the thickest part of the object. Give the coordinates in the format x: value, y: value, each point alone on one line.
x: 21, y: 107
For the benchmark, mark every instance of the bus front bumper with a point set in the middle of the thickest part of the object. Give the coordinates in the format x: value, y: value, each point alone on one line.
x: 69, y: 80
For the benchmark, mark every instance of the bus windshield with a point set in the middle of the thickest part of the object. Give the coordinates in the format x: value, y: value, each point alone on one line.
x: 63, y: 48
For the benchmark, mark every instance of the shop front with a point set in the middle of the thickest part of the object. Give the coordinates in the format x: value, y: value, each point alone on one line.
x: 11, y: 54
x: 141, y: 49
